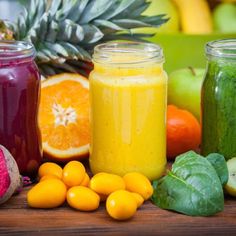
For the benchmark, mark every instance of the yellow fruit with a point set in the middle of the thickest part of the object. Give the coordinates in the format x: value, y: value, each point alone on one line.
x: 85, y: 181
x: 49, y: 193
x: 73, y: 173
x: 121, y: 205
x: 139, y: 199
x: 138, y: 183
x: 82, y: 198
x: 104, y: 183
x: 195, y: 16
x: 50, y: 168
x: 45, y: 177
x: 64, y: 117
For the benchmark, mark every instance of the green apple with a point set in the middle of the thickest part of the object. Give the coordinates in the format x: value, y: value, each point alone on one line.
x: 224, y: 17
x: 157, y: 7
x: 184, y: 89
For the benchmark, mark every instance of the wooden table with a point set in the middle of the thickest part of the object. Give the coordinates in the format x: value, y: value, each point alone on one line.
x: 16, y: 218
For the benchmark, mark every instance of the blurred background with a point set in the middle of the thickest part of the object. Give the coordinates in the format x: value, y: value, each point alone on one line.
x: 10, y: 9
x: 184, y: 37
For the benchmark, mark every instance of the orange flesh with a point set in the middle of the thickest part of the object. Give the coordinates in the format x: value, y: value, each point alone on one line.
x: 67, y: 94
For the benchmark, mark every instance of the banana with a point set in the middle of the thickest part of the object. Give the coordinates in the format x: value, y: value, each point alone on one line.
x: 195, y: 16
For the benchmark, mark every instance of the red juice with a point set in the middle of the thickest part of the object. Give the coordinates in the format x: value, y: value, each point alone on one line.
x: 19, y: 100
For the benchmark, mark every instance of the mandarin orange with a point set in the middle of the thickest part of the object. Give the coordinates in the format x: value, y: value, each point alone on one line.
x: 183, y: 131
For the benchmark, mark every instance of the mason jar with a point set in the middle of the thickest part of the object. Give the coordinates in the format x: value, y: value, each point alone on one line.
x: 219, y: 99
x: 19, y: 101
x: 128, y: 97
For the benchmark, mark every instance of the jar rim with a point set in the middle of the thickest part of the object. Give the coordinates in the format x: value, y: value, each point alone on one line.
x: 10, y: 50
x: 221, y: 48
x: 142, y: 52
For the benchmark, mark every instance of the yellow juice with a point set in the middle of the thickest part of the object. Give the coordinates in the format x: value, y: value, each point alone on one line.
x: 128, y: 106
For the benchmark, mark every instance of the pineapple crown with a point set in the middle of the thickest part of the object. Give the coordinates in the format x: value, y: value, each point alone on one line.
x: 64, y: 32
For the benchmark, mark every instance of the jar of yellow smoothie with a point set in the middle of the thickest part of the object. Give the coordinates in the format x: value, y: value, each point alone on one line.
x: 128, y: 93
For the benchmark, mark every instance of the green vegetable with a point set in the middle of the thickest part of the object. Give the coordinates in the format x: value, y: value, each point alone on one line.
x: 192, y: 187
x: 220, y: 165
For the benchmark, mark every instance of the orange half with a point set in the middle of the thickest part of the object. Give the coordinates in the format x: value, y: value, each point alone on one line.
x: 64, y: 116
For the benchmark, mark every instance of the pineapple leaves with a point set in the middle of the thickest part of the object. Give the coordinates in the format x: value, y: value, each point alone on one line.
x: 130, y: 23
x: 55, y: 6
x: 118, y: 7
x: 92, y: 34
x: 66, y: 31
x: 70, y: 32
x: 94, y: 9
x: 152, y: 19
x: 52, y: 32
x: 107, y: 26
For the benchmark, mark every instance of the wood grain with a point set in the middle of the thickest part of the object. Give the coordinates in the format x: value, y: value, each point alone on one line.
x: 16, y: 218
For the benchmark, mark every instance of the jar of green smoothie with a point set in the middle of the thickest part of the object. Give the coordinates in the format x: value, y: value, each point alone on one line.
x: 218, y: 101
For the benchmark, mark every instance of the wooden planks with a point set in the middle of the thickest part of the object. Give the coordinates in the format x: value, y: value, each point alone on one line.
x: 16, y: 218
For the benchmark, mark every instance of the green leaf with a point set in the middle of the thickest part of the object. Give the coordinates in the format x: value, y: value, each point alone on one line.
x: 43, y: 57
x: 45, y: 21
x: 92, y: 34
x: 65, y: 30
x: 130, y: 23
x: 64, y: 11
x: 50, y: 54
x: 58, y: 48
x: 119, y: 6
x: 192, y: 187
x: 155, y: 21
x: 94, y: 9
x: 71, y: 32
x: 36, y: 10
x: 108, y: 25
x: 52, y: 32
x: 21, y: 25
x: 125, y: 13
x: 154, y: 185
x: 130, y: 37
x: 72, y: 50
x: 84, y: 54
x: 55, y: 5
x: 220, y: 165
x: 139, y: 10
x: 47, y: 70
x: 82, y: 4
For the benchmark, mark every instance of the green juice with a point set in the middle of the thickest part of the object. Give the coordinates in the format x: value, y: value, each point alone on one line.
x: 219, y: 106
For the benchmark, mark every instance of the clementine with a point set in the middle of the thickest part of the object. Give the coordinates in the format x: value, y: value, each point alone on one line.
x: 64, y: 117
x: 183, y: 131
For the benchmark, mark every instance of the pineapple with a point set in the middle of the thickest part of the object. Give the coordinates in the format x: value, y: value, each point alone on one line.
x: 64, y: 32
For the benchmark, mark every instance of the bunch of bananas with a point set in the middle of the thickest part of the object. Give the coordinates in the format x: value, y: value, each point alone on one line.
x: 195, y: 16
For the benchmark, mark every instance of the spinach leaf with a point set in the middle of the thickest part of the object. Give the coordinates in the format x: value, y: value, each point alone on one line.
x: 192, y: 187
x: 219, y: 163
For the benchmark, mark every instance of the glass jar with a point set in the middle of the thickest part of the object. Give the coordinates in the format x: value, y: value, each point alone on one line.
x: 19, y: 100
x: 128, y: 96
x: 219, y: 99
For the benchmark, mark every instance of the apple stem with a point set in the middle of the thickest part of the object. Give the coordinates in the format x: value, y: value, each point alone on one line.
x: 192, y: 70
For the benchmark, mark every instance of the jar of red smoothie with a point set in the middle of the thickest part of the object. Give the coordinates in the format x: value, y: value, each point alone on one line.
x: 19, y: 101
